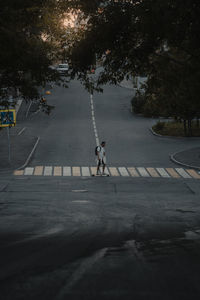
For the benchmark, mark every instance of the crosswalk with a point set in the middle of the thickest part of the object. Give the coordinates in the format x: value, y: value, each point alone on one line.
x: 77, y: 171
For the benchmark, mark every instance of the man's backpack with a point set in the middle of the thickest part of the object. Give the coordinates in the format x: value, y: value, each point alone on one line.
x: 96, y: 149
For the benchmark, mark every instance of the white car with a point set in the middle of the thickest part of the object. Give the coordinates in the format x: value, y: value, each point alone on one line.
x: 63, y: 69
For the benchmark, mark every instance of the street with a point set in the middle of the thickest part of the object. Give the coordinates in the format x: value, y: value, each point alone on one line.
x: 81, y: 237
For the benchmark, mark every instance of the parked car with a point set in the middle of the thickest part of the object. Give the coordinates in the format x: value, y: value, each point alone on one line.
x: 63, y: 69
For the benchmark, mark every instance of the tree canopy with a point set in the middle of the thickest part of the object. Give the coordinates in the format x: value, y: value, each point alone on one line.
x: 158, y: 39
x: 30, y: 37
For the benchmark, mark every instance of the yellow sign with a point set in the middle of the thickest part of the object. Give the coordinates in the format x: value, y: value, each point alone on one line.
x: 7, y: 118
x: 48, y: 93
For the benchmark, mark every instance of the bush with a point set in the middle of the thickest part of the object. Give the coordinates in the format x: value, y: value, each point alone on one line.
x: 174, y: 128
x: 159, y: 126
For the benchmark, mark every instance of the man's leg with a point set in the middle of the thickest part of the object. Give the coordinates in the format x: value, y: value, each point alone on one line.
x: 104, y: 166
x: 98, y: 167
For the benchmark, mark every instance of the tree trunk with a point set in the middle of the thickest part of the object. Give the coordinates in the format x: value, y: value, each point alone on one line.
x: 185, y: 127
x: 189, y: 127
x: 197, y: 122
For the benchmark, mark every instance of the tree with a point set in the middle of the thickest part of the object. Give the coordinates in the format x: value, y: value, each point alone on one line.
x: 31, y: 33
x: 152, y: 37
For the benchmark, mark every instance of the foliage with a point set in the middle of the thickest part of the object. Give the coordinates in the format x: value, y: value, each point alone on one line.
x: 30, y: 37
x: 174, y: 128
x: 159, y: 126
x: 157, y: 38
x: 138, y: 102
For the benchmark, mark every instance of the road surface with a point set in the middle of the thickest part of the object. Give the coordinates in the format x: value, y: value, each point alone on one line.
x: 78, y: 237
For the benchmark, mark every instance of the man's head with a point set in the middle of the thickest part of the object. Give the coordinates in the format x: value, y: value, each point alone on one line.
x: 103, y: 144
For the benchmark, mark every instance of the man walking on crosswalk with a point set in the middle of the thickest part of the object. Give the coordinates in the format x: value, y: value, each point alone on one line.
x: 101, y: 158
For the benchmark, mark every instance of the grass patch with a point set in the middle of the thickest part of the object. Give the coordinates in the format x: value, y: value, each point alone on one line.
x: 172, y: 128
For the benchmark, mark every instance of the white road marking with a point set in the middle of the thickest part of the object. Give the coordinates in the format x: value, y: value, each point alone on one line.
x: 93, y: 120
x: 85, y: 171
x: 162, y: 172
x: 183, y: 173
x: 48, y: 171
x: 123, y: 171
x: 113, y: 171
x: 21, y: 131
x: 143, y: 172
x: 67, y: 171
x: 28, y: 171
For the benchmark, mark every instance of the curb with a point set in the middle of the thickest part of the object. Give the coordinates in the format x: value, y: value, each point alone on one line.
x: 30, y: 155
x: 126, y: 87
x: 156, y: 134
x: 172, y: 156
x: 182, y: 164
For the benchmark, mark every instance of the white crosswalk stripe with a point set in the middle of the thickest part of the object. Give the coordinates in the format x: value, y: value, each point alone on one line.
x: 123, y: 171
x: 48, y: 171
x: 67, y: 171
x: 85, y: 171
x: 183, y: 173
x: 28, y: 171
x: 77, y: 171
x: 162, y: 172
x: 143, y: 172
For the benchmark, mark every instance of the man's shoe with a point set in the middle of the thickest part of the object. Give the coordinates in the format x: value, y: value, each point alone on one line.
x: 105, y: 174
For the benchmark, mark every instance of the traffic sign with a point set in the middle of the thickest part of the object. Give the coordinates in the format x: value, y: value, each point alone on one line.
x: 7, y: 118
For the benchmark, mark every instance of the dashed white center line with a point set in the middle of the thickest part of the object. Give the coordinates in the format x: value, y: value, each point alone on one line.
x: 93, y: 120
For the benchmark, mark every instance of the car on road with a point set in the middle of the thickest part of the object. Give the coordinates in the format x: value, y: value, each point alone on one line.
x: 63, y: 68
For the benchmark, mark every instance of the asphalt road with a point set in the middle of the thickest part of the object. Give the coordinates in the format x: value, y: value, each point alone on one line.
x: 67, y: 135
x: 98, y: 238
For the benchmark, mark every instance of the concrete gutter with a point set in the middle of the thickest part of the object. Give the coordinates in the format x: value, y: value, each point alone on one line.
x: 17, y: 107
x: 30, y: 155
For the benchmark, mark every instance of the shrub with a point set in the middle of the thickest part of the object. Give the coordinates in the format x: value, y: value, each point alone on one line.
x: 159, y: 126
